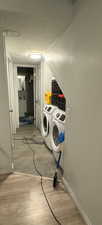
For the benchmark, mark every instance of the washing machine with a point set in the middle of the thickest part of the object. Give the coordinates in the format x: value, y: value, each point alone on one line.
x: 58, y: 127
x: 47, y: 117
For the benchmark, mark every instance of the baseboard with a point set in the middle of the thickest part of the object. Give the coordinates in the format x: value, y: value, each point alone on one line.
x: 72, y: 194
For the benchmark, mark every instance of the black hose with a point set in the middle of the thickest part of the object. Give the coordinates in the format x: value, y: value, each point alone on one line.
x: 41, y: 181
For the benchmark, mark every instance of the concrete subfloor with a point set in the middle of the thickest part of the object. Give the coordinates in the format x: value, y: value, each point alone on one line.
x: 23, y: 156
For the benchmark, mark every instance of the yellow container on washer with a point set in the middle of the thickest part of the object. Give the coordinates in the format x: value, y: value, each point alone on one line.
x: 47, y: 97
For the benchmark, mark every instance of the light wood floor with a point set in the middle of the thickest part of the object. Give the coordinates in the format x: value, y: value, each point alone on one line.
x: 22, y: 202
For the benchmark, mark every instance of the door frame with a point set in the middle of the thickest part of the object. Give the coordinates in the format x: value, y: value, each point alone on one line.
x: 38, y: 96
x: 34, y: 87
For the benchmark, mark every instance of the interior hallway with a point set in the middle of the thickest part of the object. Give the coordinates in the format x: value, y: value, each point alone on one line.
x: 23, y: 203
x: 23, y: 156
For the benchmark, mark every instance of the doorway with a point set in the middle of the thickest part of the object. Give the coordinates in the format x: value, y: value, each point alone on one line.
x: 26, y: 95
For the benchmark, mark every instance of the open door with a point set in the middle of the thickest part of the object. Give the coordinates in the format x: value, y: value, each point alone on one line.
x: 11, y: 96
x: 5, y: 135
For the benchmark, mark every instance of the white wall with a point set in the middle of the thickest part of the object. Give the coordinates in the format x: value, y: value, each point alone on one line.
x: 76, y: 60
x: 5, y: 137
x: 46, y: 79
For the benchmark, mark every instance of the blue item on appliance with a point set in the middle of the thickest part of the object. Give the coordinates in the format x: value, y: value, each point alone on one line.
x: 61, y: 138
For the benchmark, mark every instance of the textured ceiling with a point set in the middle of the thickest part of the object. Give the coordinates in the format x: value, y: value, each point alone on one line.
x: 38, y: 23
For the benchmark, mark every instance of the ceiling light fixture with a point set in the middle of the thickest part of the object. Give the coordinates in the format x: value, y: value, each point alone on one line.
x: 35, y: 56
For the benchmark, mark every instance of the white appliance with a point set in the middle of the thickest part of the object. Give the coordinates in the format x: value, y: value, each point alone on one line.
x: 58, y: 126
x: 47, y: 117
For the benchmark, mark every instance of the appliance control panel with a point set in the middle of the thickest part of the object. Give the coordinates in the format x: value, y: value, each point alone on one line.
x: 49, y: 109
x: 62, y: 117
x: 57, y: 115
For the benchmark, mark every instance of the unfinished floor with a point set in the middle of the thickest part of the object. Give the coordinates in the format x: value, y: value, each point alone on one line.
x: 22, y: 202
x: 23, y: 155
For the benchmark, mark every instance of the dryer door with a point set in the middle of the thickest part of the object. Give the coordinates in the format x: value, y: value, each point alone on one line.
x: 45, y: 125
x: 56, y: 129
